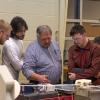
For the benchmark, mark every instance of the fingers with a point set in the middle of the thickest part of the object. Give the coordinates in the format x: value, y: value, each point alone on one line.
x: 72, y: 76
x: 45, y: 79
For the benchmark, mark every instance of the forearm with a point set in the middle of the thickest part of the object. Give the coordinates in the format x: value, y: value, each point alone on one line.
x: 39, y: 78
x: 91, y: 72
x: 13, y: 58
x: 34, y: 76
x: 16, y: 63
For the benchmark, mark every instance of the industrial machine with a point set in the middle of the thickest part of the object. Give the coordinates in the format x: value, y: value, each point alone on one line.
x: 9, y: 88
x: 81, y: 90
x: 85, y: 91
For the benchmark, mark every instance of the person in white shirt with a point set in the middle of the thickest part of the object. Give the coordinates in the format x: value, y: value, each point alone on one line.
x: 12, y: 53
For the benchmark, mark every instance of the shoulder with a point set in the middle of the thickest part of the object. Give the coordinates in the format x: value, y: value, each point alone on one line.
x: 55, y: 44
x: 94, y: 49
x: 33, y: 46
x: 8, y: 43
x: 94, y: 46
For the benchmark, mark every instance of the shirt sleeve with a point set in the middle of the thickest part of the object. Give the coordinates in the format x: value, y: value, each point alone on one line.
x: 94, y: 67
x: 11, y: 54
x: 29, y: 62
x: 71, y: 63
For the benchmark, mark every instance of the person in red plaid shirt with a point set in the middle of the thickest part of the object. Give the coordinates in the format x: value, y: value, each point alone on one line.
x: 83, y: 56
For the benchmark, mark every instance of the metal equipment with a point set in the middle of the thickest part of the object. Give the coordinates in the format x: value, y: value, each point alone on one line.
x: 9, y: 88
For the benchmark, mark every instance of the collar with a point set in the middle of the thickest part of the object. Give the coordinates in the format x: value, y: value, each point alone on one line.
x: 87, y: 47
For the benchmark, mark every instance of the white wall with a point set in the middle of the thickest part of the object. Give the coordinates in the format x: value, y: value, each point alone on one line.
x: 35, y: 12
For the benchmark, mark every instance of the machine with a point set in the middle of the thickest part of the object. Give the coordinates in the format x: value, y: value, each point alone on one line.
x: 9, y: 88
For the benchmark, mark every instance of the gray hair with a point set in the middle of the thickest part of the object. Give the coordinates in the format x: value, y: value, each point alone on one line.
x: 43, y: 29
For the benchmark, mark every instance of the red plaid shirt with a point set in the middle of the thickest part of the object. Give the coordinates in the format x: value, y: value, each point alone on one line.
x: 87, y: 58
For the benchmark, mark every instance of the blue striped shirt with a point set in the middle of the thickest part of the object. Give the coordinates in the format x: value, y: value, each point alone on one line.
x: 46, y: 61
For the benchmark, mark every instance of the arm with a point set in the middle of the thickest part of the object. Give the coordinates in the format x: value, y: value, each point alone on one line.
x: 11, y: 54
x: 95, y: 65
x: 40, y: 78
x: 71, y: 63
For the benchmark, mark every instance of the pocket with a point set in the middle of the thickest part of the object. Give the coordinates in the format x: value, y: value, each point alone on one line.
x: 58, y: 55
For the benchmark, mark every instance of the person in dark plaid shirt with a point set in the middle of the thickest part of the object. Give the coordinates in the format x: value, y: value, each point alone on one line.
x: 84, y: 56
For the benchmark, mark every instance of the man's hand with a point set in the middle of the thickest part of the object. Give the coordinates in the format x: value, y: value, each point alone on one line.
x: 72, y: 76
x: 40, y: 78
x: 43, y: 79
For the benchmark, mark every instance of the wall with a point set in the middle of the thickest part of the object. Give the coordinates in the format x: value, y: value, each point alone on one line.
x: 35, y: 12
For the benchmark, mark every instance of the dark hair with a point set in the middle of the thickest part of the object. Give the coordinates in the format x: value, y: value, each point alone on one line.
x: 17, y: 23
x: 77, y: 29
x: 97, y: 40
x: 43, y: 28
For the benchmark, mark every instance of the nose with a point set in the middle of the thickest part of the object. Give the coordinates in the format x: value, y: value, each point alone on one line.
x: 7, y: 36
x: 47, y: 41
x: 75, y: 40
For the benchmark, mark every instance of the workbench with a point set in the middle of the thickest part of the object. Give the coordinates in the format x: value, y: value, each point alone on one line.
x: 92, y: 93
x: 46, y: 96
x: 36, y: 92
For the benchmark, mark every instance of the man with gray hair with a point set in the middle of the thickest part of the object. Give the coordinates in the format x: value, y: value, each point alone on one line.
x: 42, y: 62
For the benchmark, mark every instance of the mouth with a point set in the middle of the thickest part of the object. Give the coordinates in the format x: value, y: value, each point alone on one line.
x: 22, y: 37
